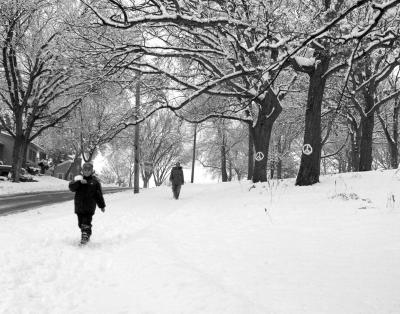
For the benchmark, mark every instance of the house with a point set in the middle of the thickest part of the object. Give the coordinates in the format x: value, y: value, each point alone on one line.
x: 61, y: 169
x: 34, y: 152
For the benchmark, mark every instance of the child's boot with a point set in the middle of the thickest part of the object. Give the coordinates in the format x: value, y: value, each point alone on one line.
x: 85, y: 234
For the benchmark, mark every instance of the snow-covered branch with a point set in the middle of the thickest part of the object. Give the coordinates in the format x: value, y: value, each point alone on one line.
x: 162, y: 16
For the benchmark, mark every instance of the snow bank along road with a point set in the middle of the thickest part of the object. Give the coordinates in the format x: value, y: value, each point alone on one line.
x: 26, y: 201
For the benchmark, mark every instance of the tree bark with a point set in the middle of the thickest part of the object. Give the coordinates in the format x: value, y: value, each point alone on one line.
x: 194, y: 152
x: 19, y: 148
x: 279, y: 160
x: 136, y: 188
x: 270, y: 109
x: 393, y: 146
x: 366, y: 129
x: 354, y: 154
x: 309, y: 171
x: 393, y: 151
x: 224, y: 173
x: 250, y: 161
x: 279, y: 169
x: 392, y: 140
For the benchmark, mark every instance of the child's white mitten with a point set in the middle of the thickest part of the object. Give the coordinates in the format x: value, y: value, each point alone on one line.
x: 78, y: 178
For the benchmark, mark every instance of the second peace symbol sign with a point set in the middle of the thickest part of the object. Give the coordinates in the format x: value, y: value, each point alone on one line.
x: 259, y: 156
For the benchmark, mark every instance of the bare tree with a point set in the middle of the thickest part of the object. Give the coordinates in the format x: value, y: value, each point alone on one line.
x: 370, y: 73
x: 97, y: 115
x: 235, y: 50
x: 222, y: 147
x: 390, y: 120
x: 287, y: 129
x: 39, y: 85
x: 161, y: 145
x: 119, y: 166
x: 357, y: 35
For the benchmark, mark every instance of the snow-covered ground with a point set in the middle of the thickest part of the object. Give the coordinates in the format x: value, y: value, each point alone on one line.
x: 45, y: 183
x: 222, y: 248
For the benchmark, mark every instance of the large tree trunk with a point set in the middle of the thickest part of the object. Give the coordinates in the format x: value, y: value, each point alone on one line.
x: 250, y: 166
x: 262, y: 135
x: 367, y: 129
x: 393, y: 145
x: 20, y: 145
x: 136, y: 188
x: 278, y: 163
x: 194, y: 152
x: 279, y: 169
x: 269, y: 111
x: 355, y: 150
x: 393, y: 151
x: 355, y: 136
x: 392, y: 140
x: 309, y: 171
x: 224, y: 173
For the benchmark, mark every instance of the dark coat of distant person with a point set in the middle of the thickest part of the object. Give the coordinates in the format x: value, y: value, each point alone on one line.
x: 176, y: 176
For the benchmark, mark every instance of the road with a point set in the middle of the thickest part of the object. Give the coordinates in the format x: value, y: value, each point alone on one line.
x: 11, y: 204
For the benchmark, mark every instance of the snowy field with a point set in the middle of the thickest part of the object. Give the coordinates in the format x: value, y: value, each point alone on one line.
x: 222, y: 248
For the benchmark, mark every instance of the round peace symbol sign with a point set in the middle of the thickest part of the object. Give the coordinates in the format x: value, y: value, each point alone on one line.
x: 307, y: 149
x: 259, y: 156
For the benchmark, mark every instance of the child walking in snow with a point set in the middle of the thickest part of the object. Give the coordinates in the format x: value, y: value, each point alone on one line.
x: 88, y: 193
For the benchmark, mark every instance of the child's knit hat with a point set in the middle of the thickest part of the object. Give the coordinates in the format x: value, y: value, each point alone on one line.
x: 87, y: 165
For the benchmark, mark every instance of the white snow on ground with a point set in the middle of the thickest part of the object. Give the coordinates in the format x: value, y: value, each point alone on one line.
x: 232, y: 248
x: 45, y: 183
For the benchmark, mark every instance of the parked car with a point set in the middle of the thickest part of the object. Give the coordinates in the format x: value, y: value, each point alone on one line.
x: 4, y: 169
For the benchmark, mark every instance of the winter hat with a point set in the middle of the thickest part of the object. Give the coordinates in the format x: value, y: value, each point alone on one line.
x: 87, y: 165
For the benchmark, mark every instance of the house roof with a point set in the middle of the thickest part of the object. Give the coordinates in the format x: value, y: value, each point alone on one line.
x: 33, y: 144
x: 38, y: 147
x: 64, y: 163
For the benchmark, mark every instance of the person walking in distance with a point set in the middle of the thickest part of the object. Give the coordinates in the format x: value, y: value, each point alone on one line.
x: 177, y: 180
x: 88, y: 194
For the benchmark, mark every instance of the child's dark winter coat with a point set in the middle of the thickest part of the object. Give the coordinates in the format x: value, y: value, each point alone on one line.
x: 87, y: 195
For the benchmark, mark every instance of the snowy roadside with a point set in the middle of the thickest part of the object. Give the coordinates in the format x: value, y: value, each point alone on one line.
x: 45, y: 183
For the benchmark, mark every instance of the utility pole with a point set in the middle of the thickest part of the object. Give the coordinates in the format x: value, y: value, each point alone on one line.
x: 194, y: 151
x: 137, y: 144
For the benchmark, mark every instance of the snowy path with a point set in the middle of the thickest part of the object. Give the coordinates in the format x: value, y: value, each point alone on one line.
x: 216, y: 250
